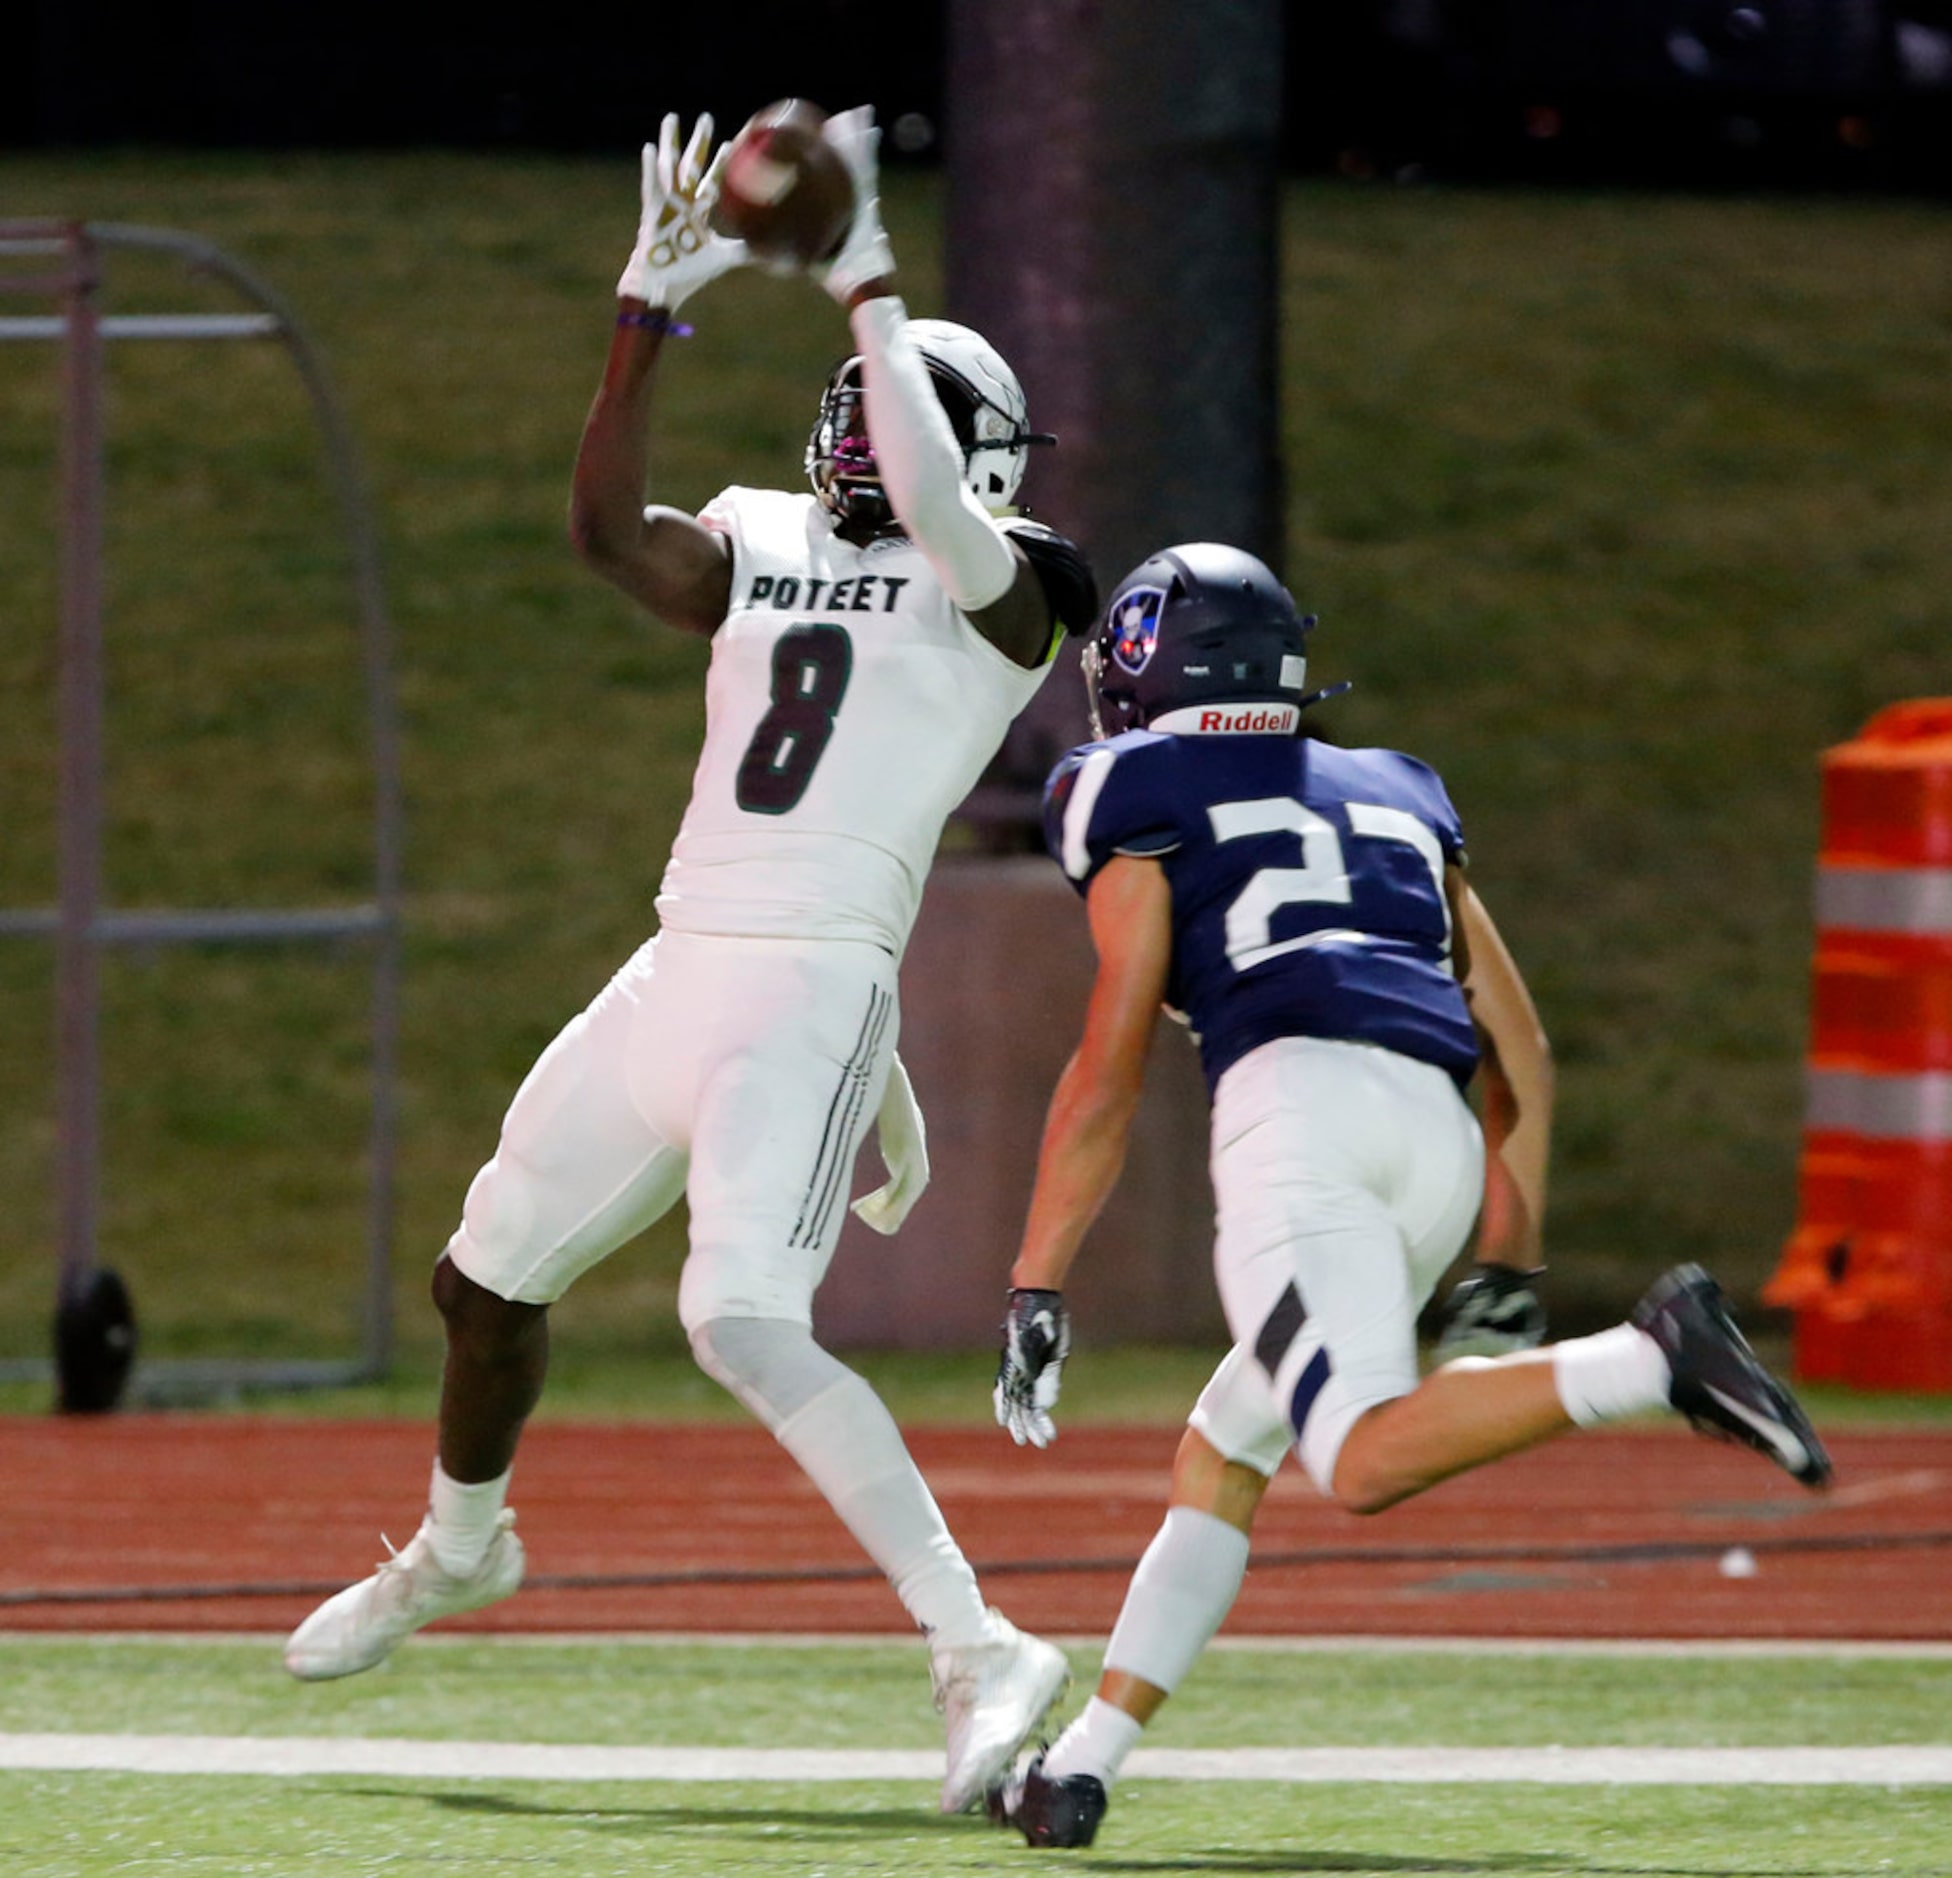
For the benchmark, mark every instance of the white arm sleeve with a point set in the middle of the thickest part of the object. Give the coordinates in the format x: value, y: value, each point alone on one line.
x: 921, y: 462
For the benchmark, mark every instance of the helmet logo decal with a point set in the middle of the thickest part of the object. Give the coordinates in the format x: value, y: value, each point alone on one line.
x: 1135, y: 628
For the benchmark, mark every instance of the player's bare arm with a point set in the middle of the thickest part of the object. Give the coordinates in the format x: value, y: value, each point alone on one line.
x: 1085, y: 1133
x: 667, y: 561
x: 1090, y: 1114
x: 1518, y: 1087
x: 664, y: 559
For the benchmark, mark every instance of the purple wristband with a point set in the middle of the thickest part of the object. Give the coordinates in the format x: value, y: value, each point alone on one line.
x: 655, y: 319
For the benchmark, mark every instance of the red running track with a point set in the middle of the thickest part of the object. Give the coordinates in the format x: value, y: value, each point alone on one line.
x: 1527, y: 1548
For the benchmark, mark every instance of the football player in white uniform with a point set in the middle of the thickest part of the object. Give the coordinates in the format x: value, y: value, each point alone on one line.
x: 871, y: 642
x: 1305, y: 907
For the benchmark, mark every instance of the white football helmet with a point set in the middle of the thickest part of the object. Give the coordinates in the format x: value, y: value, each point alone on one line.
x: 985, y: 407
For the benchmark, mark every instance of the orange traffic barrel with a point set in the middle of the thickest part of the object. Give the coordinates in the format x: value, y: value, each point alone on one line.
x: 1868, y: 1269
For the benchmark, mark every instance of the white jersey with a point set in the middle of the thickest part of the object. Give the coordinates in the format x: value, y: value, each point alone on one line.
x: 849, y: 708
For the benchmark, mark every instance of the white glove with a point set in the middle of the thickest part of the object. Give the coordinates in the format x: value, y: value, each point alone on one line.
x: 904, y: 1151
x: 676, y: 251
x: 1492, y: 1312
x: 865, y: 255
x: 1036, y: 1341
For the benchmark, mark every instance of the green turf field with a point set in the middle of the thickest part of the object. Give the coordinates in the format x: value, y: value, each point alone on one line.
x: 874, y: 1696
x: 1619, y: 508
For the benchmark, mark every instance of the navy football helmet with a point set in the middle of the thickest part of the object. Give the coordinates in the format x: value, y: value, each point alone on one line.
x: 985, y: 407
x: 1204, y: 629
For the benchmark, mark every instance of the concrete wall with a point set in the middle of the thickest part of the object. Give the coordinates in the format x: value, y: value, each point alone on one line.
x: 993, y: 997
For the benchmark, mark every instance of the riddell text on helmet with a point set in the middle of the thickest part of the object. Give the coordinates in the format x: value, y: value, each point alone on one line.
x: 1227, y: 719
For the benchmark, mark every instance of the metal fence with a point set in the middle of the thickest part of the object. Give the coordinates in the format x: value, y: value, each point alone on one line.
x: 63, y: 262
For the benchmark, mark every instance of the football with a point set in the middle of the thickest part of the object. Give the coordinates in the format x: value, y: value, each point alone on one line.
x: 785, y: 190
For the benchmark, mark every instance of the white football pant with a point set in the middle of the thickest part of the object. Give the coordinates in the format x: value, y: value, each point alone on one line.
x: 1347, y: 1179
x: 740, y: 1073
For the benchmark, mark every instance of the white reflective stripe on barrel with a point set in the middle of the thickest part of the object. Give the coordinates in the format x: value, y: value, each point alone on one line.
x: 1885, y: 899
x: 1887, y: 1108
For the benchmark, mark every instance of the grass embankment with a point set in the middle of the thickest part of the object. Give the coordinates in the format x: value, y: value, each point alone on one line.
x: 1619, y: 509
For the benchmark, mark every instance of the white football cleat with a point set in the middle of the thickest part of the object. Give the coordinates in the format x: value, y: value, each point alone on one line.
x: 991, y: 1695
x: 360, y: 1626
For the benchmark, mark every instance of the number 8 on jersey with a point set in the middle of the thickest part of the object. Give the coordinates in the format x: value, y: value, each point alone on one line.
x: 811, y: 666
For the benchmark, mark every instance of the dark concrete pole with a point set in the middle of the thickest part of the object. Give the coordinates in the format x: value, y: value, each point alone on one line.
x: 1112, y: 194
x: 1112, y: 227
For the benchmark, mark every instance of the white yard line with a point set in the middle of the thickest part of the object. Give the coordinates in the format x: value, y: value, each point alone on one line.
x: 312, y: 1756
x: 1319, y: 1645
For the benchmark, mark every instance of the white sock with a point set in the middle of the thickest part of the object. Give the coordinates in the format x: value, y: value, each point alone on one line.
x: 1180, y: 1595
x: 461, y: 1519
x: 849, y: 1447
x: 1614, y: 1373
x: 1097, y: 1742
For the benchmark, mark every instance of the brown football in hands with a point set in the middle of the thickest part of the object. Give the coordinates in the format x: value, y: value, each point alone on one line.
x: 785, y: 190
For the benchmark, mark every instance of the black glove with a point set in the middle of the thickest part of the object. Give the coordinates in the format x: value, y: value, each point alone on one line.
x: 1494, y: 1311
x: 1036, y: 1340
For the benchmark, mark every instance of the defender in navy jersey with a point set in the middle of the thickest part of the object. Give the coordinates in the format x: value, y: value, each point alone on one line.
x: 1354, y: 942
x: 1306, y: 909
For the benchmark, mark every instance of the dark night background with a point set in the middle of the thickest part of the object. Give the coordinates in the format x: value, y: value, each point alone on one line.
x: 1832, y: 93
